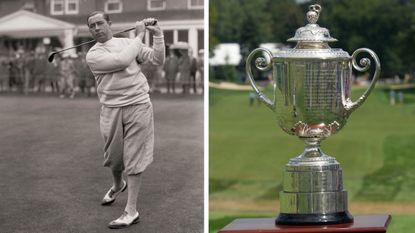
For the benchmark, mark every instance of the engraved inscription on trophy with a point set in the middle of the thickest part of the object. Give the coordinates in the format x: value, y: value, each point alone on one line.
x: 323, y: 85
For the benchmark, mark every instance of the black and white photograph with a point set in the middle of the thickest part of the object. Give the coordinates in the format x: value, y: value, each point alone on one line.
x: 102, y: 116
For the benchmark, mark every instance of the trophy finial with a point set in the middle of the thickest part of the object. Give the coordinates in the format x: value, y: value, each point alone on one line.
x: 312, y: 32
x: 313, y: 13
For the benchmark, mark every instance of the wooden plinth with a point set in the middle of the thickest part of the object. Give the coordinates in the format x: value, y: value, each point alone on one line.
x: 362, y: 223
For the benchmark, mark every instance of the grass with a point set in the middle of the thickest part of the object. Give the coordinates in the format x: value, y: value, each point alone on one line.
x: 52, y: 178
x: 248, y: 151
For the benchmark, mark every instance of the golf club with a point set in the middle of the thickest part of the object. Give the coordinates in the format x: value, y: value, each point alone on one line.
x: 52, y: 54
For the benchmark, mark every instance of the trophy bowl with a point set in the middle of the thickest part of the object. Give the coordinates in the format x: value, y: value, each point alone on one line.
x: 312, y: 100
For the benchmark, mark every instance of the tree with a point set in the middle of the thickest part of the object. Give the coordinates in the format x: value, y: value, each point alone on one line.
x: 286, y: 17
x: 250, y: 23
x: 384, y: 26
x: 213, y: 20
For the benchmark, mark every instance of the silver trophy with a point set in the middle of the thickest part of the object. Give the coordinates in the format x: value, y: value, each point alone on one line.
x: 311, y: 99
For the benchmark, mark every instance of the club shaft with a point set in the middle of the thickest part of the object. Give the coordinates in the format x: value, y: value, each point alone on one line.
x: 91, y: 41
x: 51, y: 55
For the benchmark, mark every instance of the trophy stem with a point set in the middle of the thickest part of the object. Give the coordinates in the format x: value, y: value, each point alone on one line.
x: 312, y: 155
x: 312, y: 148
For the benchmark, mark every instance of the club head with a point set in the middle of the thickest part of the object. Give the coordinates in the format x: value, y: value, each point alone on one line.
x: 51, y: 56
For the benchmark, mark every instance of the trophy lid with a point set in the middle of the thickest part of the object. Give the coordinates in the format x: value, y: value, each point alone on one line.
x: 312, y: 32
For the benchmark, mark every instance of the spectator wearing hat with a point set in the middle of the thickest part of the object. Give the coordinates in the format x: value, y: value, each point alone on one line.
x: 170, y: 71
x: 193, y: 70
x: 184, y: 69
x: 66, y: 77
x: 200, y: 66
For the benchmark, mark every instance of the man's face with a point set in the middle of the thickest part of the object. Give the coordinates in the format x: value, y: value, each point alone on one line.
x: 99, y: 28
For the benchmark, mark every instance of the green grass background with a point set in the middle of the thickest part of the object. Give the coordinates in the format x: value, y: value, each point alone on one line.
x: 248, y: 151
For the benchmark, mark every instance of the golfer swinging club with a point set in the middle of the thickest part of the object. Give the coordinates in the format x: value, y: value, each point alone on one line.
x: 126, y: 118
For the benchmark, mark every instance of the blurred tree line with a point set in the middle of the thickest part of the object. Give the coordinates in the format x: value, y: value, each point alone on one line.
x: 385, y: 26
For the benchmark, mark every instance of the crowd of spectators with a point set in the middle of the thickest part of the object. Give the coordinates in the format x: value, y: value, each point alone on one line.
x: 68, y: 75
x: 31, y: 72
x: 183, y: 69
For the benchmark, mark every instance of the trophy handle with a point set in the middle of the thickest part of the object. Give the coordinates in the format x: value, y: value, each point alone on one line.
x: 349, y: 105
x: 263, y: 65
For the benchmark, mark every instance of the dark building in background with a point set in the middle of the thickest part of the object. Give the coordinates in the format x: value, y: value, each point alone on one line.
x: 41, y: 25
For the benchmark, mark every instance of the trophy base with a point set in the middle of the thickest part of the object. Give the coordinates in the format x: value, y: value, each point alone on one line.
x: 314, y: 219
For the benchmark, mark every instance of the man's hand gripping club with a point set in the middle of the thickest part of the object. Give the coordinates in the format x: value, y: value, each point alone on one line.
x: 149, y: 24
